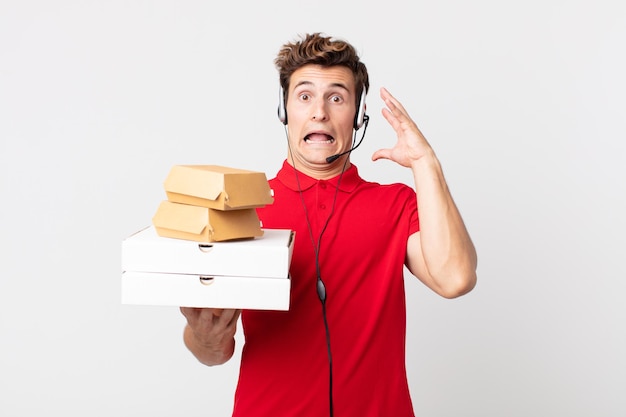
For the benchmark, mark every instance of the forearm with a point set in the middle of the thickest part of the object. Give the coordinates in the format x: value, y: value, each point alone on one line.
x: 209, y: 354
x: 447, y: 249
x: 441, y: 254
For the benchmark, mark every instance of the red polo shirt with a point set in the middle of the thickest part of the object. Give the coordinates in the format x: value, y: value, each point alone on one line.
x: 284, y: 364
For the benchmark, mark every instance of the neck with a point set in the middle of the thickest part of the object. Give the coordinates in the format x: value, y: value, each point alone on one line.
x: 321, y: 171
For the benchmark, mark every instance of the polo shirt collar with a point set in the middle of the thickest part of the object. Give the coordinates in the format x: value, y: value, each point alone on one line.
x: 287, y: 175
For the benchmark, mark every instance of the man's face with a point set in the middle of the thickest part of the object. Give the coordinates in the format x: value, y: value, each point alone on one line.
x: 320, y: 108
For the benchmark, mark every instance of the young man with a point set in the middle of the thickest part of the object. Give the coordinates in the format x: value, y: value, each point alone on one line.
x: 341, y: 346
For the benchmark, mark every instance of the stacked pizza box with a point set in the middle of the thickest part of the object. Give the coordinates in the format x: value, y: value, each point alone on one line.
x: 206, y: 246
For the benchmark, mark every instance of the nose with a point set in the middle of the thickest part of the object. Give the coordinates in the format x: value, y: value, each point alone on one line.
x: 318, y: 111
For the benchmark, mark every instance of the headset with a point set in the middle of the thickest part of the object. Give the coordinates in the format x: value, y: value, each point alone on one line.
x: 359, y: 118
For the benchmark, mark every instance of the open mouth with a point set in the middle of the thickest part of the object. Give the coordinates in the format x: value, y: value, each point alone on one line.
x: 319, y: 138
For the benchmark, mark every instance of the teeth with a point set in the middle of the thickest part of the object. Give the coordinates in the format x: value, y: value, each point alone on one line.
x: 319, y: 141
x: 330, y: 140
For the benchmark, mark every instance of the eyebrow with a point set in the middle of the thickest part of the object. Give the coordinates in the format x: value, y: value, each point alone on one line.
x: 340, y: 85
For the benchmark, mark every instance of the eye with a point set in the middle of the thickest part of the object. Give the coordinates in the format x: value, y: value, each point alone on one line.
x: 305, y: 97
x: 336, y: 99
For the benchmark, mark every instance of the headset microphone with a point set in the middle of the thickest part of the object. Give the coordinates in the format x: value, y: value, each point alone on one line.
x: 333, y: 158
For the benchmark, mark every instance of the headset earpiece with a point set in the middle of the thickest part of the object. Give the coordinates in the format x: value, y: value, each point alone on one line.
x: 359, y: 118
x: 282, y: 110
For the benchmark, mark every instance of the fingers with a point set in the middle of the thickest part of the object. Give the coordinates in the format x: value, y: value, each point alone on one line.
x: 224, y: 326
x: 226, y: 317
x: 188, y: 312
x: 235, y: 317
x: 396, y: 114
x: 210, y: 317
x: 393, y: 105
x: 211, y: 326
x: 392, y: 113
x: 381, y: 154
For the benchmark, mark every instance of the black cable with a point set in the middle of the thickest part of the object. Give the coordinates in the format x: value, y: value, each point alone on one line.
x: 320, y: 287
x: 330, y: 359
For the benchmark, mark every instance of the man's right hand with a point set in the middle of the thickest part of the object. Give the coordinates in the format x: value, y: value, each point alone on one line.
x: 210, y: 333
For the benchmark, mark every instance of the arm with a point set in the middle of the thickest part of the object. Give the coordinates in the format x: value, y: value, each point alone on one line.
x: 441, y: 254
x: 210, y: 333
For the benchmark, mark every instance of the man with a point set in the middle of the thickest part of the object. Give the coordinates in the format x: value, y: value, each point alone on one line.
x: 341, y: 346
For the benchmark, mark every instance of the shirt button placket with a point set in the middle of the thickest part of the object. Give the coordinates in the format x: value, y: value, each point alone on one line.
x: 322, y: 204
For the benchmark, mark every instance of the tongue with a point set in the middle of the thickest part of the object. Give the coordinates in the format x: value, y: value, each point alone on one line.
x: 318, y: 137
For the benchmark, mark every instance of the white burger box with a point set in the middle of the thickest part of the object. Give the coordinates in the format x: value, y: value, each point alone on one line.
x: 246, y: 274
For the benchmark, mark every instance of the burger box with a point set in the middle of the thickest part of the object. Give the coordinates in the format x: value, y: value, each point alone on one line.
x: 217, y: 187
x: 202, y: 224
x: 246, y: 274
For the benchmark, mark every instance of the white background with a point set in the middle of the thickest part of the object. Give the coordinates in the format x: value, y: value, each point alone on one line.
x: 524, y: 103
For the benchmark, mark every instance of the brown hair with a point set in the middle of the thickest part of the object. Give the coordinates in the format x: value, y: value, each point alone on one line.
x: 321, y: 50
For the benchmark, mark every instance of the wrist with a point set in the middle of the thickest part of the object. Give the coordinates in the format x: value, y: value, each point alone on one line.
x: 428, y: 160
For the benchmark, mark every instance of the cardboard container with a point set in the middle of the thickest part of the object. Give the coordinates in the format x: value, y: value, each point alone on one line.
x: 145, y: 288
x: 217, y: 187
x: 268, y: 256
x: 202, y: 224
